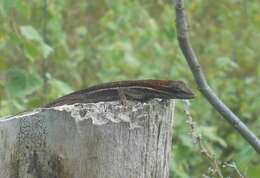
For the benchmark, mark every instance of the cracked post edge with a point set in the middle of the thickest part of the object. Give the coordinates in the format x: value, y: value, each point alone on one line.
x: 100, y: 113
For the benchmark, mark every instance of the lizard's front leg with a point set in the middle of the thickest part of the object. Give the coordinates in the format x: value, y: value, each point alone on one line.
x: 122, y: 96
x: 133, y: 94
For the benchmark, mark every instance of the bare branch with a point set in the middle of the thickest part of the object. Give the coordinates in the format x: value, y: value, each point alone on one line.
x: 213, y: 99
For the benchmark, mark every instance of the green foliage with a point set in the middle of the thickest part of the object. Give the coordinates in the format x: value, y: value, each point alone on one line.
x: 46, y: 53
x: 34, y: 44
x: 20, y: 83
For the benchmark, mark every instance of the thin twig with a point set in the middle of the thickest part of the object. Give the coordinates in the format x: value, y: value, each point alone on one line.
x: 215, y: 168
x: 197, y: 141
x: 213, y: 99
x: 233, y: 166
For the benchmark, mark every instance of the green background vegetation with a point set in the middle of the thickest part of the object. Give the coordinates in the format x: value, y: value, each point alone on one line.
x: 48, y: 50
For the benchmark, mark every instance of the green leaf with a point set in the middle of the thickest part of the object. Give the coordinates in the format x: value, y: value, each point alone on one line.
x: 16, y: 82
x: 32, y: 34
x: 20, y: 83
x: 211, y: 134
x: 32, y: 52
x: 33, y: 82
x: 46, y: 50
x: 60, y: 87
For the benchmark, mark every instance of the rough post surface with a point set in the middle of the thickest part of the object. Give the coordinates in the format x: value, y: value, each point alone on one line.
x: 101, y: 140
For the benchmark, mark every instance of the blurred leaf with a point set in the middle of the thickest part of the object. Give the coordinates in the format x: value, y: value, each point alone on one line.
x: 81, y: 31
x: 16, y: 82
x: 46, y: 50
x: 21, y: 83
x: 32, y: 35
x: 33, y: 82
x: 32, y: 51
x: 177, y: 171
x: 59, y: 87
x: 211, y: 134
x: 226, y: 64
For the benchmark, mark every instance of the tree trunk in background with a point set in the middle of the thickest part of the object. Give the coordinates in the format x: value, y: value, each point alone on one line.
x: 101, y: 140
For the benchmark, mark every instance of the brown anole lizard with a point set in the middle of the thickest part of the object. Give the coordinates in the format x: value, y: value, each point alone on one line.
x: 139, y: 90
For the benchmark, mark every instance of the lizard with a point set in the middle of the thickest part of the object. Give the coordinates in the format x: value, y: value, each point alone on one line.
x: 139, y: 90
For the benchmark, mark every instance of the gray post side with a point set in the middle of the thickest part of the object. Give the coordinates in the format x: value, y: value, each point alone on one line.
x: 95, y: 140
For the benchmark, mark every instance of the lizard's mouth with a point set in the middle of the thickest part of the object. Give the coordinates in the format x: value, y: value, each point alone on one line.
x: 185, y: 95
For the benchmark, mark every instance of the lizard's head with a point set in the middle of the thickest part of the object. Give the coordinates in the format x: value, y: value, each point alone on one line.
x: 178, y: 89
